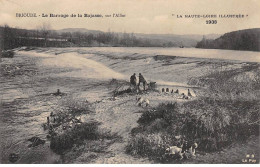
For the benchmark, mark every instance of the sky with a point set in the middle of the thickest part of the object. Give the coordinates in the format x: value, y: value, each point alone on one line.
x: 141, y: 16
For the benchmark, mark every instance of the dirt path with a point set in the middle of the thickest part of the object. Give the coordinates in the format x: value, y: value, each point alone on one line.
x: 120, y: 117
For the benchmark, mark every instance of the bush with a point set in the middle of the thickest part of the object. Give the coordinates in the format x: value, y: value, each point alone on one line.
x: 212, y: 123
x: 222, y: 119
x: 68, y: 131
x: 158, y: 125
x: 7, y: 54
x: 157, y: 130
x: 73, y: 136
x: 121, y: 92
x: 168, y: 112
x: 151, y: 145
x: 227, y: 112
x: 231, y: 84
x: 75, y: 107
x: 77, y: 135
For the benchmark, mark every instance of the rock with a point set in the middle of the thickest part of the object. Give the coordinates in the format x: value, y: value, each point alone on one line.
x: 35, y: 141
x: 45, y: 127
x: 177, y: 91
x: 178, y: 137
x: 78, y: 118
x: 13, y: 157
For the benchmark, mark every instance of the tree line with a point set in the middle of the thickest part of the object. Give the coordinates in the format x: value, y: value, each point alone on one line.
x: 238, y: 40
x: 44, y: 37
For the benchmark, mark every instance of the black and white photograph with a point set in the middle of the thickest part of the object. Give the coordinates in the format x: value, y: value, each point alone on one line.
x: 129, y: 81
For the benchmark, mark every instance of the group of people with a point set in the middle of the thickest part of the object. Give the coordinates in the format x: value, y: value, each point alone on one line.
x: 133, y: 81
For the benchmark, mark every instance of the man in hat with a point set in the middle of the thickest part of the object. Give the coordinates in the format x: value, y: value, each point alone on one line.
x: 141, y: 80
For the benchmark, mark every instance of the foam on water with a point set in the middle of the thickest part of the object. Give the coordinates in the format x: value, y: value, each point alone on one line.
x: 87, y: 68
x: 246, y: 56
x: 34, y: 54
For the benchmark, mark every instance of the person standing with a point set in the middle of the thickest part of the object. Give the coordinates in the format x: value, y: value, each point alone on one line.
x: 133, y: 80
x: 141, y: 80
x: 189, y: 94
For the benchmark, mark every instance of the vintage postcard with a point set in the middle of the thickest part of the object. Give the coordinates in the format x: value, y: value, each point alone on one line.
x: 129, y: 81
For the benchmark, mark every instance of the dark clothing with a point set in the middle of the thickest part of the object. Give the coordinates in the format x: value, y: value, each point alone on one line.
x: 189, y: 94
x: 141, y: 80
x: 133, y: 80
x: 144, y: 83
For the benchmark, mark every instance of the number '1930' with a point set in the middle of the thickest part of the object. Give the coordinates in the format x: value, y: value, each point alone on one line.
x: 211, y: 22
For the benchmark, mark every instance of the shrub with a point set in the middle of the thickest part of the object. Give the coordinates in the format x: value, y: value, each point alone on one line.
x: 212, y: 123
x: 228, y: 112
x: 168, y: 112
x: 75, y: 107
x: 218, y: 118
x: 121, y: 92
x: 225, y: 83
x: 73, y: 136
x: 7, y: 54
x: 158, y: 125
x: 77, y: 135
x: 68, y: 131
x: 151, y: 145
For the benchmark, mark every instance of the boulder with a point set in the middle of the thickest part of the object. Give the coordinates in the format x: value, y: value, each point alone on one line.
x: 35, y: 141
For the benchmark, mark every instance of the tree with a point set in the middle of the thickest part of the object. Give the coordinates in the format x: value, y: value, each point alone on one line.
x: 7, y: 38
x: 45, y: 31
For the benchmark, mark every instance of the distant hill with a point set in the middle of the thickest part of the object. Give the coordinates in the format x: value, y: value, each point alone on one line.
x: 199, y: 37
x: 82, y: 37
x: 248, y: 39
x: 177, y: 40
x: 82, y: 30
